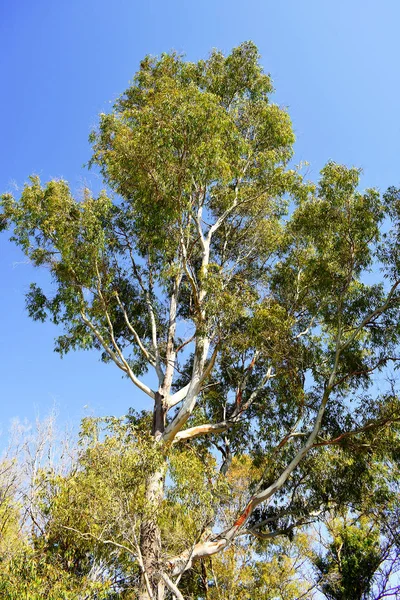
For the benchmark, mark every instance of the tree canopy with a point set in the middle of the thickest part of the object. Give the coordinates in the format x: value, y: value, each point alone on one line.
x: 258, y: 311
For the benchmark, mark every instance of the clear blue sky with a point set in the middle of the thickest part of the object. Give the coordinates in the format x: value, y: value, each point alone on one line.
x: 335, y: 66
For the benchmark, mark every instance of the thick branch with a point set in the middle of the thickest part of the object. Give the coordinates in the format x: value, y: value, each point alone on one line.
x: 170, y: 348
x: 178, y: 396
x: 194, y: 388
x: 205, y: 429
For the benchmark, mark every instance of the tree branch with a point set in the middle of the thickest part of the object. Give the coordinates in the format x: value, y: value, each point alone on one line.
x: 205, y: 429
x: 123, y: 365
x: 186, y: 409
x: 150, y: 310
x: 225, y: 538
x: 139, y: 342
x: 370, y: 426
x: 178, y: 396
x: 375, y: 313
x: 172, y: 586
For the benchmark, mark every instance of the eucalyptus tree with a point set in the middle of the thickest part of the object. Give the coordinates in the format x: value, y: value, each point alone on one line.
x: 244, y: 289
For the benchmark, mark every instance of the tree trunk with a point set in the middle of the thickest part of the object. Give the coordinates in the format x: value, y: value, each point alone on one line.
x: 204, y: 579
x: 152, y: 586
x: 150, y: 539
x: 150, y: 535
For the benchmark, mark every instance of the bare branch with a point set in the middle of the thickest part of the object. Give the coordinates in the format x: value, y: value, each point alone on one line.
x: 88, y: 535
x: 214, y: 428
x: 189, y: 275
x: 240, y: 408
x: 185, y: 343
x: 224, y: 215
x: 170, y: 347
x: 306, y: 330
x: 121, y: 364
x: 150, y: 310
x: 139, y: 342
x: 172, y: 586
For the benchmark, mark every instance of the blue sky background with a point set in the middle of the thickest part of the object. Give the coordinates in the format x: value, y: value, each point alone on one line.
x: 335, y: 66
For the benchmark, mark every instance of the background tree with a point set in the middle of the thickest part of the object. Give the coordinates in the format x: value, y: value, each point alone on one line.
x: 359, y: 561
x: 32, y: 565
x: 260, y: 325
x: 358, y: 550
x: 353, y: 556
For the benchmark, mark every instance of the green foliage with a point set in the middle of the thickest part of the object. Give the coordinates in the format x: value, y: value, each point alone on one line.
x: 252, y: 567
x: 181, y: 135
x: 32, y: 575
x: 208, y: 239
x: 353, y: 557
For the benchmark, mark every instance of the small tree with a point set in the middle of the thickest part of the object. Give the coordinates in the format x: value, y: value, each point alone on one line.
x: 259, y: 323
x: 353, y: 556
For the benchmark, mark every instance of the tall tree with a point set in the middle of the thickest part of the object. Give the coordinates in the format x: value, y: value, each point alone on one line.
x: 242, y: 287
